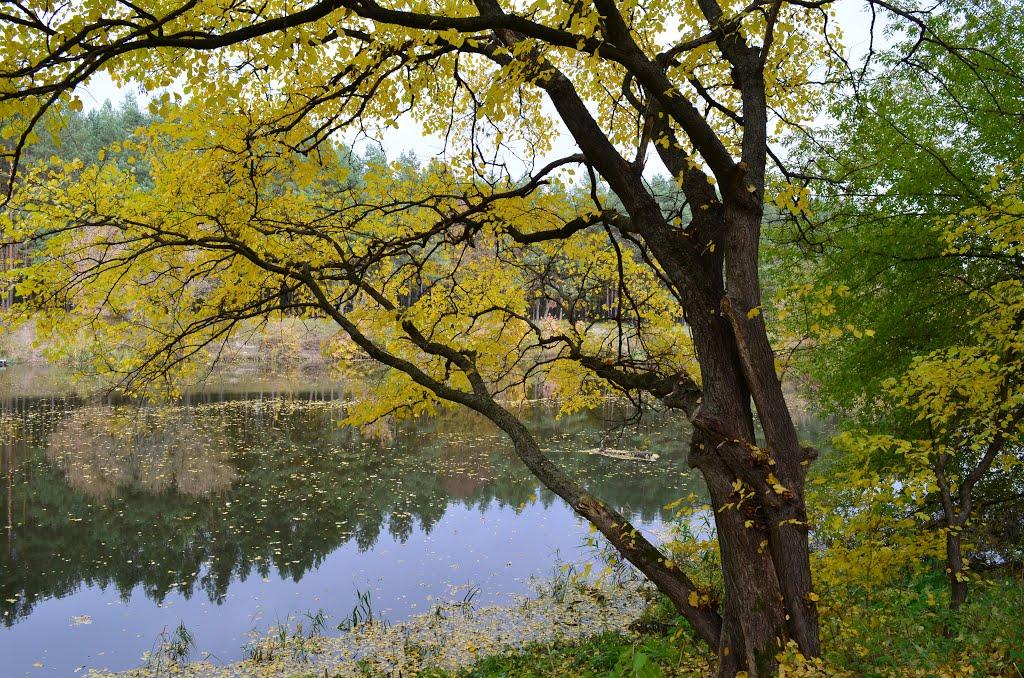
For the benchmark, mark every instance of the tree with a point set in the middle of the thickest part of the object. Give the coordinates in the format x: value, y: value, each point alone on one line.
x: 248, y: 216
x: 965, y: 445
x: 68, y: 135
x: 917, y: 143
x: 915, y: 234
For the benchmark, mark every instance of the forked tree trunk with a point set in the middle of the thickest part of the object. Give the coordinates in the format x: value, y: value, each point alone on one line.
x: 757, y: 492
x: 957, y: 512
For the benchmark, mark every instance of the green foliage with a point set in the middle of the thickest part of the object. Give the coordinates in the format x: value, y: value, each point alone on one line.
x: 92, y: 137
x: 903, y: 284
x: 962, y: 441
x: 918, y: 144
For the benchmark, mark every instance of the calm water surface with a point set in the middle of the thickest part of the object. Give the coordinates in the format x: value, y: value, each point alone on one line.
x: 247, y: 503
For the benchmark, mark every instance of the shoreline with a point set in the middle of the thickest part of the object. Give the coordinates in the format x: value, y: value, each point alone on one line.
x: 451, y: 637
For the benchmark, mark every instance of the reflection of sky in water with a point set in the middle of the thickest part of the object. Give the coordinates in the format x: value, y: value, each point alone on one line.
x: 497, y: 550
x: 211, y: 495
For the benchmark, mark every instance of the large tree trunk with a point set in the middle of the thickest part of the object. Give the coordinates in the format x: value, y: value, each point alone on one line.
x: 758, y: 498
x: 753, y: 617
x: 760, y: 522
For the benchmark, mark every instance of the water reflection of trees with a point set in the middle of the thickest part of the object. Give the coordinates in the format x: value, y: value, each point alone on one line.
x: 191, y: 499
x: 103, y: 450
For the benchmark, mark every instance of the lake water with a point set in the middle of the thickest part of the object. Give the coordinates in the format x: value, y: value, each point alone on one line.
x: 246, y: 503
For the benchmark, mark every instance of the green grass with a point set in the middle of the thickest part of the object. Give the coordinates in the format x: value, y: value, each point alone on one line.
x: 908, y: 628
x: 647, y: 655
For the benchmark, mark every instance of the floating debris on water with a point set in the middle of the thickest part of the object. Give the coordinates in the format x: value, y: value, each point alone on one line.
x: 624, y: 455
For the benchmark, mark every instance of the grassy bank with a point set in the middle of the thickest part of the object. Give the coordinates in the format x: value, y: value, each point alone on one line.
x: 904, y: 630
